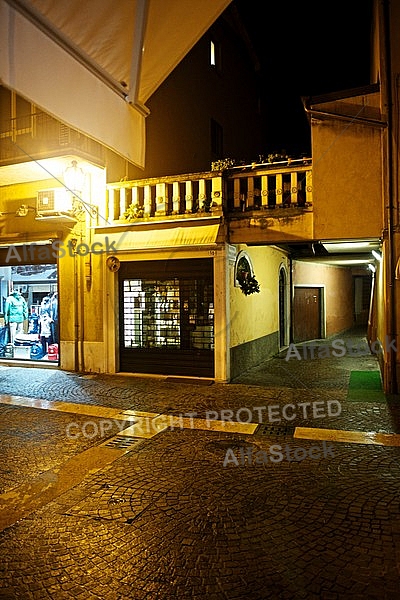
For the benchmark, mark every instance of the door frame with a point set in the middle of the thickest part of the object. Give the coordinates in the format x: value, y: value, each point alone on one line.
x: 285, y: 299
x: 191, y: 362
x: 322, y: 315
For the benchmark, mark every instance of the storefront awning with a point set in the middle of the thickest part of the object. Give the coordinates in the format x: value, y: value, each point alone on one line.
x: 175, y: 237
x: 83, y: 62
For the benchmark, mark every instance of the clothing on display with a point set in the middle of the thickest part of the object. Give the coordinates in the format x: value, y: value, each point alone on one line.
x: 54, y: 317
x: 29, y: 327
x: 16, y: 308
x: 15, y: 313
x: 33, y: 326
x: 45, y: 321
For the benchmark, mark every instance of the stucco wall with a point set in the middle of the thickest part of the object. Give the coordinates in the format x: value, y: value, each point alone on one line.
x: 338, y: 292
x: 347, y: 175
x: 254, y: 319
x: 257, y: 315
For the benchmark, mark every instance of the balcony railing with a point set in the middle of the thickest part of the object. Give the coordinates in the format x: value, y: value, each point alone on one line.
x: 182, y: 195
x: 40, y: 135
x: 256, y: 187
x: 284, y: 185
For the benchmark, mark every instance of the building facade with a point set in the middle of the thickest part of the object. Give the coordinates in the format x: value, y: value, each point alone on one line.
x: 190, y: 264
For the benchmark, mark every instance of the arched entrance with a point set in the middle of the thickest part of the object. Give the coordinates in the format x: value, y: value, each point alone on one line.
x: 283, y: 308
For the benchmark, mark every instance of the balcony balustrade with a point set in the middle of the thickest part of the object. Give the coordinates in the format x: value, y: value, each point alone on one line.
x: 232, y: 192
x: 39, y: 135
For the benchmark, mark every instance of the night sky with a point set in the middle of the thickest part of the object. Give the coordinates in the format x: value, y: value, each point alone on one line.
x: 306, y: 48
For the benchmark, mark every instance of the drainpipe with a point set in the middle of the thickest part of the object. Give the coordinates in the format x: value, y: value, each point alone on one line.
x: 391, y: 257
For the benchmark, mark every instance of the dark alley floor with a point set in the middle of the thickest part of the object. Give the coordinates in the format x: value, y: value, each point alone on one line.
x: 283, y: 484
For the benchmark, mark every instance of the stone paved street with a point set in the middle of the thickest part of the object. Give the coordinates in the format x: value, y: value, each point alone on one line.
x: 125, y: 487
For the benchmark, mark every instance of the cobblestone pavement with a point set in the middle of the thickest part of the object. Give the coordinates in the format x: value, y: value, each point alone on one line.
x: 195, y: 512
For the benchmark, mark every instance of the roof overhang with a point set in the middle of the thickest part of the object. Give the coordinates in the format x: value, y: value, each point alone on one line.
x: 86, y: 62
x: 345, y: 253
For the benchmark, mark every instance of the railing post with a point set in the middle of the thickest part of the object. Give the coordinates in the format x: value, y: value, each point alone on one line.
x: 294, y: 192
x: 279, y: 189
x: 309, y: 187
x: 135, y: 196
x: 122, y: 202
x: 264, y: 190
x: 161, y: 194
x: 147, y: 201
x: 175, y: 197
x: 216, y: 191
x: 202, y: 193
x: 189, y: 196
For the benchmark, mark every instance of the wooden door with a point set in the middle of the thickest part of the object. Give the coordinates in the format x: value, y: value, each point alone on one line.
x: 306, y: 314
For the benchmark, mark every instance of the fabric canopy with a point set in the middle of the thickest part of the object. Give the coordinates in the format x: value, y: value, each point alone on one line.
x: 201, y: 235
x: 84, y: 61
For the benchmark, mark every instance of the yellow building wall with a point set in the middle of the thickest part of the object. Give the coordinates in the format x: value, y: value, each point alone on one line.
x: 12, y: 197
x: 255, y: 316
x: 347, y: 179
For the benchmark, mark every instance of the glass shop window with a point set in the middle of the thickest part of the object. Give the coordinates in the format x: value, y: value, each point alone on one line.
x: 29, y: 314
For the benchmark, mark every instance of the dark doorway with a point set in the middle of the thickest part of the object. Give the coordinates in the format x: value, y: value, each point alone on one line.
x: 282, y: 308
x: 167, y: 317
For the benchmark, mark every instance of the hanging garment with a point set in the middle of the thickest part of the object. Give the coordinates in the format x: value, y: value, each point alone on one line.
x: 44, y: 323
x: 16, y: 308
x: 33, y: 326
x: 54, y: 306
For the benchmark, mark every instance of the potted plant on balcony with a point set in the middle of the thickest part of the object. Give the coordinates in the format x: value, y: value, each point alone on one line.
x: 133, y: 212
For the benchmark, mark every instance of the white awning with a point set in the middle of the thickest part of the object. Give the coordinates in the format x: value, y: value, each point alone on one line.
x: 174, y: 237
x: 94, y: 64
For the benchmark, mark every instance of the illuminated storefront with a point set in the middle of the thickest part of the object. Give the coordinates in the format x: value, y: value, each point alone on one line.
x: 29, y: 312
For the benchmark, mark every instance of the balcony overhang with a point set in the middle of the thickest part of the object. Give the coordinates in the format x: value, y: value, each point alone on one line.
x: 344, y: 253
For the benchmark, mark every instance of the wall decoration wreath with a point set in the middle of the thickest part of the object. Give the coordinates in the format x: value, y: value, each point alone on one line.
x: 244, y: 276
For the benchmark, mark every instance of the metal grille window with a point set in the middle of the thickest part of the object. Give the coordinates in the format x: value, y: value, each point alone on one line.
x: 170, y: 313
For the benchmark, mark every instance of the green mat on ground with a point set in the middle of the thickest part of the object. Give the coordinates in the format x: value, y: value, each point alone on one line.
x: 365, y: 386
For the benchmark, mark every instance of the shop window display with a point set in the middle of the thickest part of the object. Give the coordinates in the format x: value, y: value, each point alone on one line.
x: 29, y: 313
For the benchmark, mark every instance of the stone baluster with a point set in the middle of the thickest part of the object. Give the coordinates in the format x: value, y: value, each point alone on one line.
x: 294, y: 189
x: 309, y: 187
x: 147, y: 201
x: 202, y: 193
x: 122, y: 202
x: 264, y: 191
x: 135, y: 197
x: 188, y: 196
x: 279, y: 189
x: 161, y: 195
x: 175, y: 198
x: 216, y: 192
